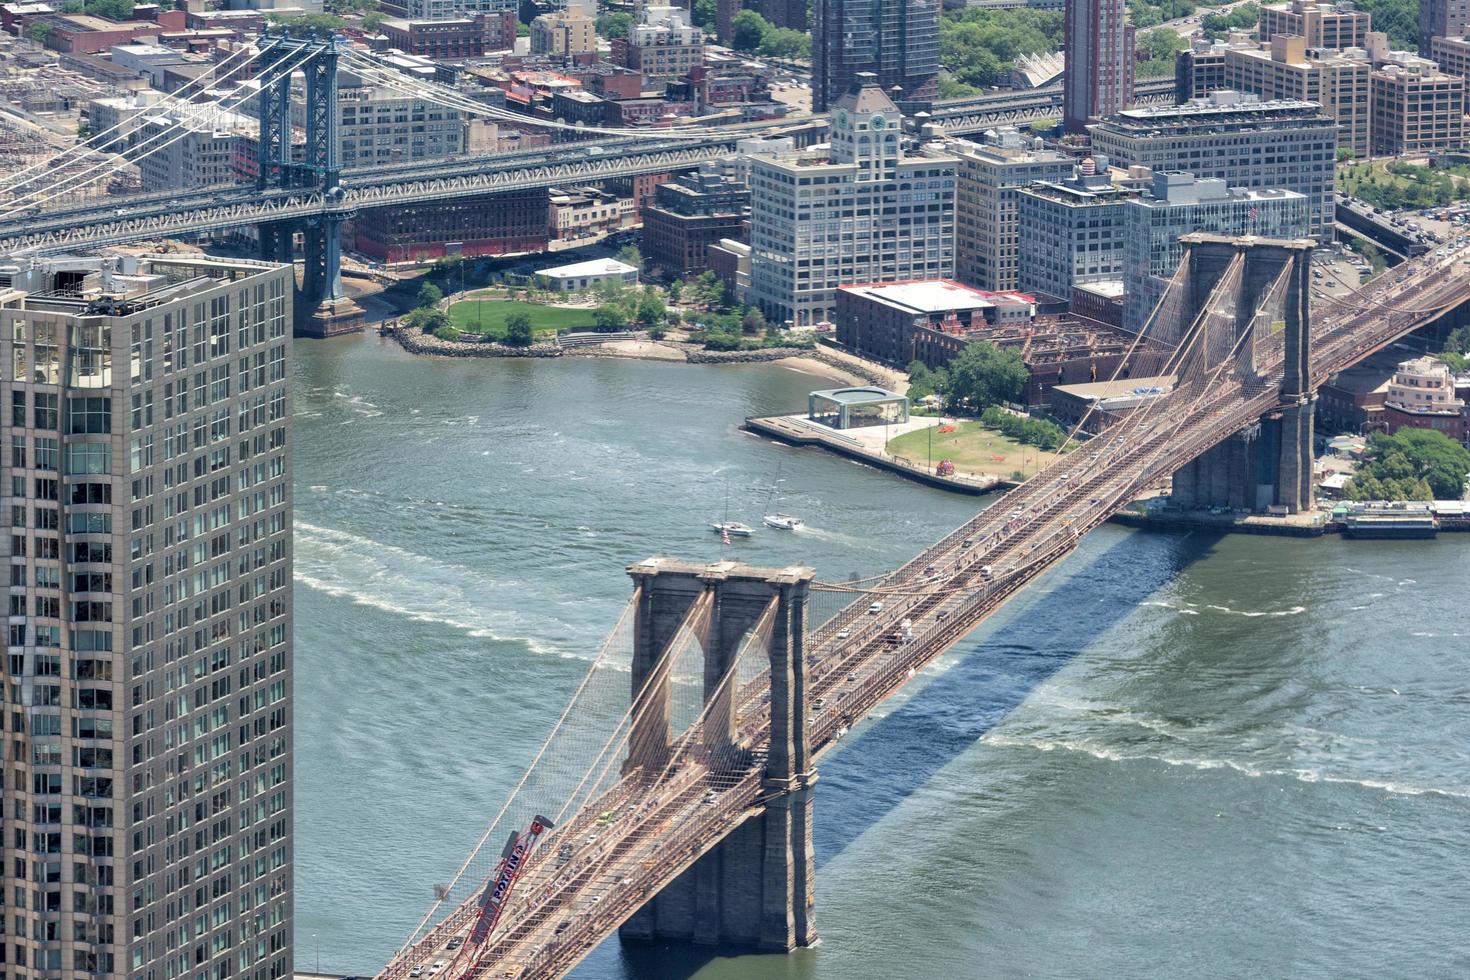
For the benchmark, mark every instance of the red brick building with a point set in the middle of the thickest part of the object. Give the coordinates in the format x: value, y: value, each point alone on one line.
x: 453, y: 40
x: 687, y: 216
x: 85, y: 34
x: 492, y: 225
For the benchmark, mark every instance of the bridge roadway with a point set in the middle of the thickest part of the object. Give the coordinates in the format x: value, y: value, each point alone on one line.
x: 113, y: 221
x: 561, y: 910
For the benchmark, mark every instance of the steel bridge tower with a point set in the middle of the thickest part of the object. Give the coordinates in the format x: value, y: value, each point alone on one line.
x: 323, y: 307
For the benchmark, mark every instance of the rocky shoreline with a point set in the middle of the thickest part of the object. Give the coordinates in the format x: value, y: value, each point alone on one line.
x: 415, y: 341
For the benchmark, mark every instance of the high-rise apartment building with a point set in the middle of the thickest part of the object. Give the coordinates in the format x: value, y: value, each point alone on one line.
x: 1320, y: 24
x: 1288, y: 69
x: 1442, y: 18
x: 1178, y: 204
x: 991, y: 175
x: 895, y: 40
x: 1247, y: 142
x: 862, y: 212
x: 1098, y: 80
x: 147, y: 818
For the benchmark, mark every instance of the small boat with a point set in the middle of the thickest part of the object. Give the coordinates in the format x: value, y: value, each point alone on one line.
x: 776, y: 519
x: 727, y: 528
x: 733, y: 528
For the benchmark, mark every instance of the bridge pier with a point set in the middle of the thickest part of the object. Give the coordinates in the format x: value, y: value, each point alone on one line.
x: 754, y: 888
x: 1270, y: 463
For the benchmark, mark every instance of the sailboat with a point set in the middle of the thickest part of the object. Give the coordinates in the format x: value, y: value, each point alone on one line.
x: 776, y: 519
x: 727, y: 528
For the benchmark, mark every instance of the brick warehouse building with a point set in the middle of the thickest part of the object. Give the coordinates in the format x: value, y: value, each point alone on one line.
x: 933, y: 320
x: 492, y: 225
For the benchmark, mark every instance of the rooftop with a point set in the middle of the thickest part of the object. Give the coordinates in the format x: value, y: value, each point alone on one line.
x: 1121, y: 388
x: 858, y: 396
x: 934, y: 295
x: 596, y: 267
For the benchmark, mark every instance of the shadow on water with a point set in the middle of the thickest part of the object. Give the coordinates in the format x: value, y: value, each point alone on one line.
x: 893, y: 756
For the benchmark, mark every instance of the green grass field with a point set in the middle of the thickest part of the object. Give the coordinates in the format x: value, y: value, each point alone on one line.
x: 972, y: 448
x: 488, y: 316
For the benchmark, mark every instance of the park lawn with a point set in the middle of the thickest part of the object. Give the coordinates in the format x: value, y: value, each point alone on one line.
x: 488, y: 316
x: 973, y: 449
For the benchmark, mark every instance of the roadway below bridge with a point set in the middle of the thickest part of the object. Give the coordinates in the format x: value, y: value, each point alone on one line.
x: 617, y: 852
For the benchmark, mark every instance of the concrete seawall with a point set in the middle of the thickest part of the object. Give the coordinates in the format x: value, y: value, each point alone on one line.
x: 784, y: 430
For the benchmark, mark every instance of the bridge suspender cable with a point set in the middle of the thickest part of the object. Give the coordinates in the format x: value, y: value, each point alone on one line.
x: 450, y: 98
x: 536, y: 759
x: 163, y: 105
x: 189, y: 110
x: 161, y: 140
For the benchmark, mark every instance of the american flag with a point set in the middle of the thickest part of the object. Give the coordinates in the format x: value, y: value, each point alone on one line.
x: 724, y: 536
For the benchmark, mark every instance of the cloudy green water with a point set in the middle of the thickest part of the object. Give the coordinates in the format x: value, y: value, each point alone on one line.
x: 1177, y: 756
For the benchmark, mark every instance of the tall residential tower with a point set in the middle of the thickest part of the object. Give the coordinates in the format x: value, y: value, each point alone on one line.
x: 1098, y: 80
x: 147, y: 773
x: 895, y: 40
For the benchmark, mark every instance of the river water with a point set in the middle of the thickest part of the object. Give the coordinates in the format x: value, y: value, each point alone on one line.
x: 1178, y: 755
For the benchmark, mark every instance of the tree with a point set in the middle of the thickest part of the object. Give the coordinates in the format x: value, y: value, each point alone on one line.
x: 1411, y: 464
x: 977, y: 44
x: 73, y: 7
x: 1216, y: 26
x: 609, y: 316
x: 1458, y: 340
x: 371, y: 22
x: 676, y: 289
x: 748, y: 30
x: 111, y: 9
x: 518, y: 330
x: 614, y: 24
x: 753, y: 322
x: 430, y: 295
x: 983, y: 375
x: 310, y: 22
x: 629, y: 255
x: 431, y: 320
x: 1344, y: 154
x: 703, y: 13
x: 39, y: 30
x: 1159, y: 44
x: 786, y: 44
x: 652, y: 311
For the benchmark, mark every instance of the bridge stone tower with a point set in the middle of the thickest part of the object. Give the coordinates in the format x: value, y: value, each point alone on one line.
x: 1271, y: 462
x: 322, y: 306
x: 755, y: 887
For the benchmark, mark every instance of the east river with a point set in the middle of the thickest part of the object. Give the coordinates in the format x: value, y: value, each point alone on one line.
x: 1178, y: 755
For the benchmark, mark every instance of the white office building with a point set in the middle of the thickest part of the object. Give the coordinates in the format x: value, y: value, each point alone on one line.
x: 857, y: 211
